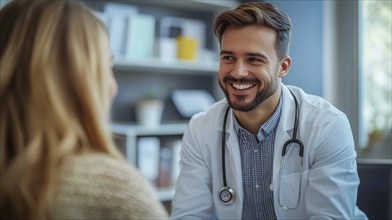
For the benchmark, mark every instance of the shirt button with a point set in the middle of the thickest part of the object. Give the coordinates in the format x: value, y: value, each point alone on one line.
x: 271, y: 186
x: 257, y: 186
x: 255, y: 151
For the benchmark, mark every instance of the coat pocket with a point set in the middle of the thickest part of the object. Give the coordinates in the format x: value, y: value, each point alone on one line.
x: 292, y: 189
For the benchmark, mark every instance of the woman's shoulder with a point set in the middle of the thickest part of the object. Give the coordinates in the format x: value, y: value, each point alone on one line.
x: 100, y: 186
x: 99, y: 165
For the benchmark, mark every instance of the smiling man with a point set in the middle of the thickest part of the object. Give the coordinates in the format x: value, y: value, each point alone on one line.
x: 267, y: 151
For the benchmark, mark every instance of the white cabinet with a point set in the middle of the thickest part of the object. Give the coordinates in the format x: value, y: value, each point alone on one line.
x: 159, y: 163
x: 126, y: 136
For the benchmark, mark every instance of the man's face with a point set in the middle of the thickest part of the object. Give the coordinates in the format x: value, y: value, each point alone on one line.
x: 249, y: 66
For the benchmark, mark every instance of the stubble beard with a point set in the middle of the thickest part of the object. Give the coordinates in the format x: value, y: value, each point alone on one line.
x: 260, y: 97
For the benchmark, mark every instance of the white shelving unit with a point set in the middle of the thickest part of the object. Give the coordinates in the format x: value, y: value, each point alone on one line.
x: 175, y: 67
x: 197, y: 5
x: 144, y: 72
x: 128, y: 134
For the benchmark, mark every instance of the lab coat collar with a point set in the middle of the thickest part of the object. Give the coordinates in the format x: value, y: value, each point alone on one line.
x: 283, y: 132
x: 286, y: 121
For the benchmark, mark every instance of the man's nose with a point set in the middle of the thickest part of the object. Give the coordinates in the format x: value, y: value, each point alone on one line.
x: 239, y: 70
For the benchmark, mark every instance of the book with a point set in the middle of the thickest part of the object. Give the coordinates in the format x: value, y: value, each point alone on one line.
x: 140, y: 36
x: 116, y: 19
x: 165, y: 167
x: 148, y: 157
x: 175, y: 170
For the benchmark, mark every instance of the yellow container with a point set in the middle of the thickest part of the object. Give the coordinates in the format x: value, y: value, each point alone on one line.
x: 186, y: 48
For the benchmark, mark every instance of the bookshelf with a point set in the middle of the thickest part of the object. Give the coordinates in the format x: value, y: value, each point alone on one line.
x: 208, y: 68
x: 128, y: 138
x: 140, y: 76
x: 126, y: 135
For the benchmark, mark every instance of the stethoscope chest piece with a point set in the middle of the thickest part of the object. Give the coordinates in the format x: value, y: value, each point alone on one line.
x: 226, y: 195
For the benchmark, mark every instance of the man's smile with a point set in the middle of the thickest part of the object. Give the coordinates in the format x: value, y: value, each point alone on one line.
x: 242, y: 86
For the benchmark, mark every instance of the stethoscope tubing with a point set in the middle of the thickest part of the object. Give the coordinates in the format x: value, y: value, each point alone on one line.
x: 223, y: 148
x: 286, y: 144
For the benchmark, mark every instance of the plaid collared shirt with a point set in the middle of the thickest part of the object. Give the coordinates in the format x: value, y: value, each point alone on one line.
x: 257, y: 153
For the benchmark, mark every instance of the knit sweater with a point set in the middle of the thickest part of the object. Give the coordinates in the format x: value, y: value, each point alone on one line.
x: 97, y: 186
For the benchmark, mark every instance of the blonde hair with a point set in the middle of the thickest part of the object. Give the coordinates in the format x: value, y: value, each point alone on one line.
x: 55, y: 101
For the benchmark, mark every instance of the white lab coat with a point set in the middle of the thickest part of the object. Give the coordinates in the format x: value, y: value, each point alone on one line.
x: 329, y: 176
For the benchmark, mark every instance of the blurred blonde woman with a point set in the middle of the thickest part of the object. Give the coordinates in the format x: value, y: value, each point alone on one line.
x: 57, y: 157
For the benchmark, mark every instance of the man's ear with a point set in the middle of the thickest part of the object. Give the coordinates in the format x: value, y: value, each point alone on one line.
x: 284, y: 66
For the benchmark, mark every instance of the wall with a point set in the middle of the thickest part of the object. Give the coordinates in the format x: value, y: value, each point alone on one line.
x: 341, y: 59
x: 306, y: 44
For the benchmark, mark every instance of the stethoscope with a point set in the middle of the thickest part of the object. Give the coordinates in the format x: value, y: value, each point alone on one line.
x: 227, y: 195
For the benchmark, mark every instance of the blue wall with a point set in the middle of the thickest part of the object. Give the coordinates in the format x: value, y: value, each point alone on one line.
x: 306, y: 43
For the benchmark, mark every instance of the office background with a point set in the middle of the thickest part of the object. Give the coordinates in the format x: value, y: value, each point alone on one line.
x: 326, y: 52
x: 326, y: 62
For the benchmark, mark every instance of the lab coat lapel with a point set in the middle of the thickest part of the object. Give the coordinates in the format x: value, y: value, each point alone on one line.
x: 233, y: 164
x: 285, y: 128
x: 234, y: 155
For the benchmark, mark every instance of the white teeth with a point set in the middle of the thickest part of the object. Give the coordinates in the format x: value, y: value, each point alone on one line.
x: 242, y: 86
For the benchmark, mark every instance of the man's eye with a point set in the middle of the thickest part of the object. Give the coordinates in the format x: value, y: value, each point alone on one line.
x: 255, y: 60
x: 228, y: 58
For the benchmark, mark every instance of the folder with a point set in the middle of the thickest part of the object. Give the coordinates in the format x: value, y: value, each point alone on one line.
x: 148, y: 157
x: 140, y: 36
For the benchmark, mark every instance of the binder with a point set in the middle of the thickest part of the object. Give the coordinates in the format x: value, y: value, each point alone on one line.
x: 140, y: 36
x: 117, y: 15
x: 148, y: 155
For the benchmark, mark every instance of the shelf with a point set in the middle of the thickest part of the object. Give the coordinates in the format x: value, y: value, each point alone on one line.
x: 138, y: 130
x: 217, y: 4
x: 175, y: 67
x: 198, y: 5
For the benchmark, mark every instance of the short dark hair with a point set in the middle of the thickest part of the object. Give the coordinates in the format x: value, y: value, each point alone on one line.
x: 257, y: 13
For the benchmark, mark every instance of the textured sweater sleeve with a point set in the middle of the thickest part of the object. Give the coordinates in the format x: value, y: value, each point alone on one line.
x: 100, y: 187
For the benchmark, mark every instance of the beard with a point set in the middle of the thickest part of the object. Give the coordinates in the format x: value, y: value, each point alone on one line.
x: 239, y: 103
